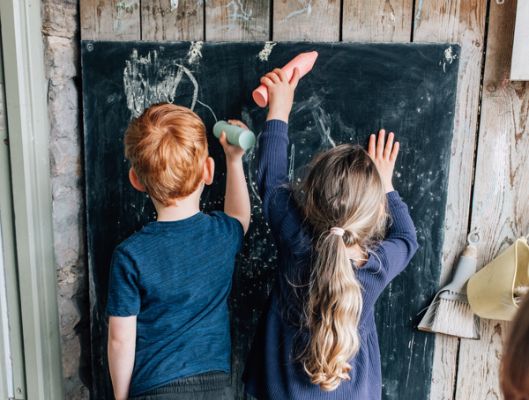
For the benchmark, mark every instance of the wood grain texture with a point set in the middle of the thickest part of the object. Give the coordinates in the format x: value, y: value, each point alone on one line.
x: 500, y: 210
x: 317, y: 20
x: 237, y: 20
x: 110, y: 19
x: 459, y: 21
x: 377, y: 20
x: 166, y: 20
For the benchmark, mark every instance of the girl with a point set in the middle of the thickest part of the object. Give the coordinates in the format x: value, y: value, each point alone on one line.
x: 514, y: 374
x: 317, y: 338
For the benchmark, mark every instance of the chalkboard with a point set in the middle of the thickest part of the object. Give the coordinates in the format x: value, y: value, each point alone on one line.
x: 353, y: 90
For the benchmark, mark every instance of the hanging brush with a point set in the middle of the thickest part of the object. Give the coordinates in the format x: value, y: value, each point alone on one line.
x: 450, y: 312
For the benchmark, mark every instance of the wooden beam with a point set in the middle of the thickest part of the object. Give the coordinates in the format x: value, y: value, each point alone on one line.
x: 307, y: 20
x: 172, y: 20
x: 459, y: 21
x: 110, y: 19
x: 377, y: 20
x: 500, y: 211
x: 237, y: 20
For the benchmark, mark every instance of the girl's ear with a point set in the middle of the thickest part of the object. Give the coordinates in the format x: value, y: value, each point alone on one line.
x: 135, y: 181
x: 209, y: 171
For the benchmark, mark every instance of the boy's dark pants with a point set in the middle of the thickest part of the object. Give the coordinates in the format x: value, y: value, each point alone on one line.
x: 208, y: 386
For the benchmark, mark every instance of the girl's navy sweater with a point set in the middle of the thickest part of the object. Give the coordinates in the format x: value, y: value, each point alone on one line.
x: 273, y: 370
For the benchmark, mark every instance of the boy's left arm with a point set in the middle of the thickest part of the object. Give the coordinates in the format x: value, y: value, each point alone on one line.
x: 121, y: 353
x: 237, y: 198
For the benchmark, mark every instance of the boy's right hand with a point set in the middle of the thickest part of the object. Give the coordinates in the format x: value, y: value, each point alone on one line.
x: 384, y: 156
x: 280, y: 93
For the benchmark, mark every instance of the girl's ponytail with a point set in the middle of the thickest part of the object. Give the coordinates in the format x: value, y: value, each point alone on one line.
x: 342, y: 189
x: 332, y: 313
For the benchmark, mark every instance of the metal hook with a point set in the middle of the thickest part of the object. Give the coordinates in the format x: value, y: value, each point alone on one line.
x: 473, y: 238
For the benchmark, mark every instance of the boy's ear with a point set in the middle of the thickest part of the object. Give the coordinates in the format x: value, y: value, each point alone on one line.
x: 135, y: 181
x: 209, y: 171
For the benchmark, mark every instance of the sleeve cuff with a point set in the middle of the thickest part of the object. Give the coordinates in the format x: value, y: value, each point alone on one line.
x: 393, y: 196
x: 277, y: 126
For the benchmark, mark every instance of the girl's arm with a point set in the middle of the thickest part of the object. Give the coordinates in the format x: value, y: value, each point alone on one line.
x: 273, y: 142
x: 121, y: 353
x: 400, y: 243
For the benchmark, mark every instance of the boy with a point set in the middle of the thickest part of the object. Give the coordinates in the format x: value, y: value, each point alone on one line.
x: 169, y: 334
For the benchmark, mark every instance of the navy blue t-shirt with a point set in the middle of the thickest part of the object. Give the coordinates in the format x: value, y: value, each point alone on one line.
x: 176, y: 277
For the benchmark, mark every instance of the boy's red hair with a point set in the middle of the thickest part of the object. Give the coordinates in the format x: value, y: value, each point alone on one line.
x: 167, y: 147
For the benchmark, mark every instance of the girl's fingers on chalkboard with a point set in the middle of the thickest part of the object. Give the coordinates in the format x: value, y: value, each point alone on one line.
x: 394, y: 152
x: 389, y: 145
x: 380, y: 143
x: 372, y: 145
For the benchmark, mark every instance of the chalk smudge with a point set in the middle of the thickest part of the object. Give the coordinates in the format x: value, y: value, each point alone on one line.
x: 266, y: 51
x: 237, y: 11
x: 418, y: 12
x: 194, y: 54
x: 291, y: 162
x: 149, y: 80
x: 123, y: 8
x: 306, y: 7
x: 324, y: 123
x: 449, y: 57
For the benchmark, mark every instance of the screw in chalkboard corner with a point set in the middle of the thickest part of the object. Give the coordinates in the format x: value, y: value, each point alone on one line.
x: 89, y: 46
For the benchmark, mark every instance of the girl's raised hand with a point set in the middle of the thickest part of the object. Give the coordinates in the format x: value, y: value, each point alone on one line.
x: 280, y: 93
x: 384, y: 154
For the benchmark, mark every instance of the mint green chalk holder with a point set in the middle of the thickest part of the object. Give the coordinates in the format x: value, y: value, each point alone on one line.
x: 236, y: 135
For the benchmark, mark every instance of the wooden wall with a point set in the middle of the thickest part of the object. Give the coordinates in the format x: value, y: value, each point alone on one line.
x: 488, y: 190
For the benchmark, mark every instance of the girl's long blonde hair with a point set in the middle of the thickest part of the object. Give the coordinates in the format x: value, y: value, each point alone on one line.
x: 342, y: 189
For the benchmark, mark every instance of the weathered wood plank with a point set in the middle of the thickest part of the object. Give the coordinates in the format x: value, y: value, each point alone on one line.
x: 459, y: 21
x: 377, y: 20
x: 237, y: 20
x: 172, y: 20
x: 500, y: 211
x: 306, y: 20
x: 110, y: 19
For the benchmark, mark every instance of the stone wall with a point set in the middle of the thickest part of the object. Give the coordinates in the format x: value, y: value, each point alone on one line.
x: 60, y: 30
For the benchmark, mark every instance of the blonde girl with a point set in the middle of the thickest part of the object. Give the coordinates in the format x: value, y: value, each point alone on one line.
x: 342, y: 236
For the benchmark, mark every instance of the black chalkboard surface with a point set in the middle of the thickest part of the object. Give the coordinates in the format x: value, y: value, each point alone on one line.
x: 353, y: 90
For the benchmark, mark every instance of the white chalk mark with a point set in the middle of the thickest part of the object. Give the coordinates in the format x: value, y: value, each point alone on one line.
x: 209, y: 108
x: 194, y: 54
x: 195, y: 84
x: 149, y: 80
x: 267, y: 50
x: 410, y: 346
x: 306, y: 7
x: 325, y: 130
x: 237, y: 11
x: 449, y: 57
x: 291, y: 162
x: 174, y: 5
x: 418, y: 12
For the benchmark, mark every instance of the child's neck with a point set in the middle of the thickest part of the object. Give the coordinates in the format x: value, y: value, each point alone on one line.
x: 180, y: 209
